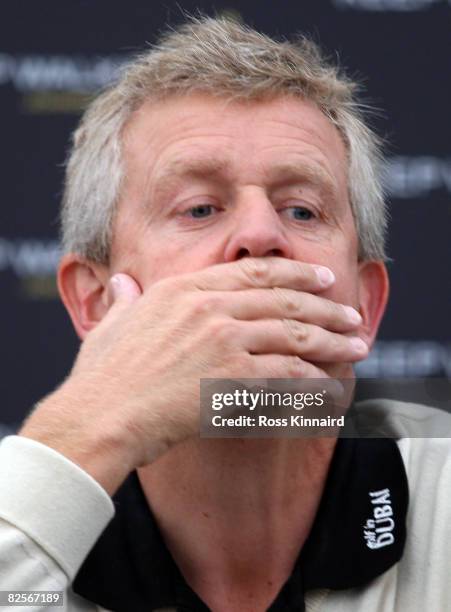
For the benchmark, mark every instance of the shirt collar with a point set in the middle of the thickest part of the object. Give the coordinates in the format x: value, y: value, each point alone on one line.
x: 358, y: 533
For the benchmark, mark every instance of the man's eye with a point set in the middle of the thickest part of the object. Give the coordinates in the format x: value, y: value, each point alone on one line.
x: 300, y: 213
x: 201, y: 211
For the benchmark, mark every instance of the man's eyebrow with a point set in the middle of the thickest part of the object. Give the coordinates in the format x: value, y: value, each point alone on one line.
x: 183, y: 168
x: 302, y: 171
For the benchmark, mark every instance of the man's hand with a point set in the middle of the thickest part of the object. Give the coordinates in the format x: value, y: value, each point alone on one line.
x: 134, y: 389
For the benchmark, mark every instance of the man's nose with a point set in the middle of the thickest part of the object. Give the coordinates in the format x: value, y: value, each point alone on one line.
x: 257, y: 231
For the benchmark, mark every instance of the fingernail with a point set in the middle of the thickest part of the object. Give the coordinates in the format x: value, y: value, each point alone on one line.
x: 113, y: 288
x: 326, y: 277
x: 359, y: 345
x: 353, y: 315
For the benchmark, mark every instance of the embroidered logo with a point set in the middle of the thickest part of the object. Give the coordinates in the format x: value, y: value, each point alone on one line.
x: 378, y: 530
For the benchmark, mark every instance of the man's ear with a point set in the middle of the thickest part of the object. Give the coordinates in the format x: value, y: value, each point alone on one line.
x: 82, y: 286
x: 373, y: 296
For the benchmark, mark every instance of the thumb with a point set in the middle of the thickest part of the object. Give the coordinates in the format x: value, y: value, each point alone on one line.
x: 122, y: 290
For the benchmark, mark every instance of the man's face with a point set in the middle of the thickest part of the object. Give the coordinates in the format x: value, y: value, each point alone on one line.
x: 209, y: 182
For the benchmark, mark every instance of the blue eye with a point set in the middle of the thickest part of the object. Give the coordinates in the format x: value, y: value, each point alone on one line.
x: 201, y: 211
x: 301, y: 214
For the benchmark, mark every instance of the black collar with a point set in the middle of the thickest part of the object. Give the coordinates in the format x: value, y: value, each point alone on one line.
x: 357, y: 535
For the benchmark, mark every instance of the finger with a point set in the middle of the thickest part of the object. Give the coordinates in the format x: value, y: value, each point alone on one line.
x: 283, y: 366
x: 288, y: 337
x: 262, y: 272
x: 288, y: 304
x: 122, y: 290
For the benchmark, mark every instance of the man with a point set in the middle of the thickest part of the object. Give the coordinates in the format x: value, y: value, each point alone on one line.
x: 222, y: 217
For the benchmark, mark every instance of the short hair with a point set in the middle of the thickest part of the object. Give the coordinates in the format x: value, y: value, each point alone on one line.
x: 221, y: 57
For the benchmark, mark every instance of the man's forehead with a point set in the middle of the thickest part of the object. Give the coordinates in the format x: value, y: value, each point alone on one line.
x: 178, y: 136
x: 177, y: 111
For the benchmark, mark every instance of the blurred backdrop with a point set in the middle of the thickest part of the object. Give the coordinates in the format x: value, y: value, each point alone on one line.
x: 54, y: 55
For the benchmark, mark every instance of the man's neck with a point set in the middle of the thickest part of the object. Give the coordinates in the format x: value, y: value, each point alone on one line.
x: 235, y: 513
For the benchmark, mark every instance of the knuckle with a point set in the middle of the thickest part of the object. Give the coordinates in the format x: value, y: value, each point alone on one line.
x: 296, y: 330
x: 335, y: 343
x: 242, y: 362
x: 204, y: 305
x: 304, y: 270
x: 336, y: 311
x: 222, y: 331
x: 286, y: 300
x: 294, y: 366
x: 256, y: 270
